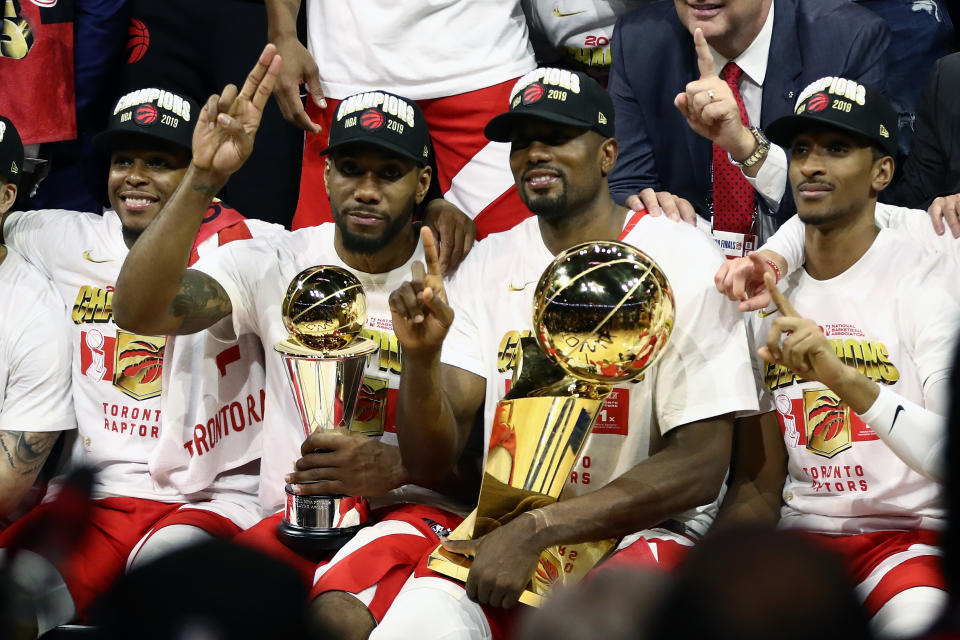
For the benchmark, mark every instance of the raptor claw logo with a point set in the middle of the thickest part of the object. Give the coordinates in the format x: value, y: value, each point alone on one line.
x: 818, y: 102
x: 828, y: 422
x: 138, y: 365
x: 371, y: 119
x: 148, y: 361
x: 145, y: 115
x: 533, y: 93
x: 547, y: 573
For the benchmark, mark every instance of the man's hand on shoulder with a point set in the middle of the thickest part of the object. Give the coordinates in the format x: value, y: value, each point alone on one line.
x: 454, y: 229
x: 663, y: 203
x: 945, y: 212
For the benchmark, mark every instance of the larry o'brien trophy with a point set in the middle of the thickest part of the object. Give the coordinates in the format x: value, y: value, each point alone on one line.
x: 324, y: 310
x: 603, y: 312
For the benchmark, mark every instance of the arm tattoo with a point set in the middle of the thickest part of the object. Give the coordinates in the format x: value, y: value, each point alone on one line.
x: 209, y: 190
x: 26, y: 451
x: 201, y: 301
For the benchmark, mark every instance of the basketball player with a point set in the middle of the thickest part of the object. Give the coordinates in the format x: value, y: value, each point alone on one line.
x: 35, y: 400
x: 652, y: 469
x: 125, y: 431
x: 854, y: 375
x: 377, y: 172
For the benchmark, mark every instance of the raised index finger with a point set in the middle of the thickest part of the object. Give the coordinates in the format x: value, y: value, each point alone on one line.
x: 259, y: 83
x: 786, y: 309
x: 704, y: 57
x: 430, y: 253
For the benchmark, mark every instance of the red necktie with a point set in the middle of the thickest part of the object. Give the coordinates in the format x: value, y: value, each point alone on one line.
x: 733, y: 196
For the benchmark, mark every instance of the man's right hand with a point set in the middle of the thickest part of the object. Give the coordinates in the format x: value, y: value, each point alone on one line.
x: 741, y: 279
x: 299, y: 68
x: 946, y: 209
x: 421, y: 315
x: 663, y: 203
x: 227, y: 124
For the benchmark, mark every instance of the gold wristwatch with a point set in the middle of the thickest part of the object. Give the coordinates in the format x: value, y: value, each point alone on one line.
x: 763, y: 146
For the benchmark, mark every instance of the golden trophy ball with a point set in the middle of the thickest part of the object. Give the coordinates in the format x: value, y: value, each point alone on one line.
x: 324, y: 308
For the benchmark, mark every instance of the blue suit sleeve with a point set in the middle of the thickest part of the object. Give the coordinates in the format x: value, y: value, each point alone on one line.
x: 636, y: 167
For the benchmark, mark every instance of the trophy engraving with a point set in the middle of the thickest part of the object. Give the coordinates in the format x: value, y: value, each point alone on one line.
x: 324, y: 356
x: 603, y: 312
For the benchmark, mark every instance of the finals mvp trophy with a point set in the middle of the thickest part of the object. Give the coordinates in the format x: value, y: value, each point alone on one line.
x: 324, y: 356
x: 603, y: 312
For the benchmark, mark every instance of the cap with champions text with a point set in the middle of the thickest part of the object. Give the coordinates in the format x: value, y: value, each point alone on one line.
x: 844, y: 104
x: 558, y: 95
x: 384, y: 120
x: 151, y: 113
x: 11, y: 152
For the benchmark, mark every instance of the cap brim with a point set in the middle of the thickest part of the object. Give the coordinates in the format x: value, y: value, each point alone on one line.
x: 782, y: 130
x: 383, y: 144
x: 500, y: 128
x: 107, y: 140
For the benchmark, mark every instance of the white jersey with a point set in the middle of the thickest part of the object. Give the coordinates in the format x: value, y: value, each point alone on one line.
x: 913, y: 224
x: 212, y: 419
x: 116, y: 374
x: 577, y: 31
x: 34, y: 352
x: 417, y: 49
x: 897, y: 328
x: 255, y: 274
x: 703, y: 372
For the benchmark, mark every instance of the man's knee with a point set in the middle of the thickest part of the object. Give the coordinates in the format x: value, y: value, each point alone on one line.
x: 908, y: 613
x: 341, y: 616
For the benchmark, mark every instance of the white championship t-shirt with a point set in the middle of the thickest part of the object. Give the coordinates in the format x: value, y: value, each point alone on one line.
x: 255, y: 274
x: 116, y: 374
x: 703, y: 372
x: 418, y: 49
x: 34, y: 352
x: 889, y: 317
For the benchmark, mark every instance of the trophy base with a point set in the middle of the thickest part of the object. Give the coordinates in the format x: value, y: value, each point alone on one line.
x: 315, y: 544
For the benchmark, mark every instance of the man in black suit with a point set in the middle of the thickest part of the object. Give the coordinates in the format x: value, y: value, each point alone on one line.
x: 931, y: 175
x: 677, y: 118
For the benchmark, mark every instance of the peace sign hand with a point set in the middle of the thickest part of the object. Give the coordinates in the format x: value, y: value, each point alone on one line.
x: 799, y: 344
x: 227, y: 124
x: 710, y: 107
x: 421, y: 315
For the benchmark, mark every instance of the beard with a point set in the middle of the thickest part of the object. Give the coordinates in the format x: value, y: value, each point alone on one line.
x: 367, y: 244
x: 547, y: 206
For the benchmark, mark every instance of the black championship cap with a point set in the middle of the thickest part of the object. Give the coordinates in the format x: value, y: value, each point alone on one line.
x: 842, y: 104
x: 11, y: 152
x: 559, y: 95
x: 152, y: 113
x: 384, y: 120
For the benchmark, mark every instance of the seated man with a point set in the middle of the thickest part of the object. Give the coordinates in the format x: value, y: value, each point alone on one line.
x: 652, y: 469
x: 857, y: 358
x: 125, y: 430
x: 377, y: 174
x: 35, y: 400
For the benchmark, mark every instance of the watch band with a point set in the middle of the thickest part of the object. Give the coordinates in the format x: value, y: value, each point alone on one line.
x: 763, y: 146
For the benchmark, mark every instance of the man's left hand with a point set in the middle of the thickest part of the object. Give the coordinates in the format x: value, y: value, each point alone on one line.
x: 503, y: 562
x: 946, y: 209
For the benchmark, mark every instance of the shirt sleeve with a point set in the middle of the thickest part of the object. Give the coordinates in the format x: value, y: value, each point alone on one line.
x: 25, y: 231
x: 460, y: 347
x: 37, y: 392
x: 705, y: 370
x: 771, y: 180
x: 237, y: 267
x: 788, y: 242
